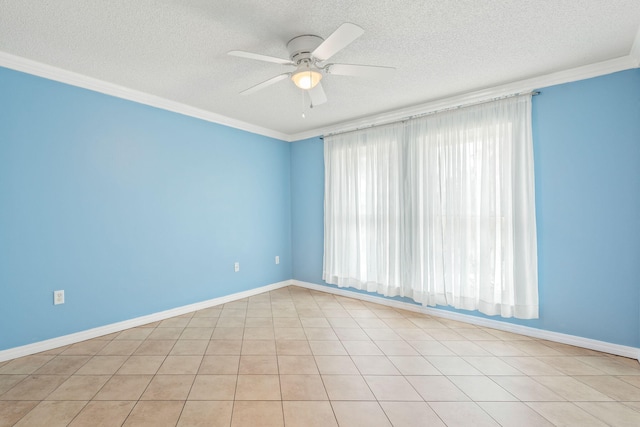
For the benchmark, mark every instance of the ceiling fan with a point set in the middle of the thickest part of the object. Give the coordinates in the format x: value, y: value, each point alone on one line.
x: 309, y: 53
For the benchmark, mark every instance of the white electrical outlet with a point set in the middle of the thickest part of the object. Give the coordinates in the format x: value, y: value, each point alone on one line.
x: 277, y: 259
x: 58, y: 297
x: 236, y: 267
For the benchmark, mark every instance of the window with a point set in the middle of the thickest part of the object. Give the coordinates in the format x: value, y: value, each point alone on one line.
x: 439, y: 209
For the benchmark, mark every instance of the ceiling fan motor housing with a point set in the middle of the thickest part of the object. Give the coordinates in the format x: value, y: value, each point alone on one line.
x: 300, y: 47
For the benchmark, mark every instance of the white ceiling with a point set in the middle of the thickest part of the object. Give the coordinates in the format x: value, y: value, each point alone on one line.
x: 176, y: 49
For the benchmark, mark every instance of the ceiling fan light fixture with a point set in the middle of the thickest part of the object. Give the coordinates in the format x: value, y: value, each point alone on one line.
x: 306, y: 78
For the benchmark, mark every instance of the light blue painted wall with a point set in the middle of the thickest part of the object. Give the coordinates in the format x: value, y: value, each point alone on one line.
x: 587, y: 165
x: 130, y: 209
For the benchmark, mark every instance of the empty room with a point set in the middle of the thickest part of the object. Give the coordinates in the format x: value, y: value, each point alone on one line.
x: 339, y: 213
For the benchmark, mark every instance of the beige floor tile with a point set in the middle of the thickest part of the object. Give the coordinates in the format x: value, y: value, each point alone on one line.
x: 612, y: 413
x: 189, y: 348
x: 514, y: 413
x: 444, y: 334
x: 466, y: 348
x: 320, y: 334
x: 343, y: 322
x: 155, y: 348
x: 180, y: 365
x: 120, y: 348
x: 193, y: 333
x: 368, y: 414
x: 375, y: 365
x: 227, y: 333
x: 11, y: 412
x: 224, y: 347
x: 168, y: 387
x: 413, y: 365
x: 410, y: 334
x: 166, y: 334
x: 231, y: 322
x: 634, y: 380
x: 63, y: 365
x: 481, y: 389
x: 259, y: 334
x: 287, y: 347
x: 327, y: 348
x: 79, y: 387
x: 612, y: 387
x: 362, y: 348
x: 124, y: 387
x: 289, y: 334
x: 452, y: 365
x: 103, y: 414
x: 565, y: 414
x: 391, y: 388
x: 336, y: 365
x: 257, y: 413
x: 258, y: 387
x: 526, y: 389
x: 431, y: 348
x: 382, y: 334
x: 141, y: 365
x: 571, y: 389
x: 213, y: 387
x: 287, y: 322
x: 315, y: 322
x: 569, y: 365
x: 531, y: 366
x: 9, y: 381
x: 308, y: 414
x: 411, y: 414
x: 474, y: 334
x: 258, y: 322
x: 435, y: 389
x: 85, y: 348
x: 219, y: 365
x: 500, y: 348
x: 462, y: 414
x: 203, y: 322
x: 258, y: 365
x: 535, y: 348
x: 302, y: 387
x: 206, y: 414
x: 351, y: 334
x: 34, y: 387
x: 25, y: 365
x: 491, y: 365
x: 610, y: 365
x: 258, y: 347
x: 102, y: 365
x: 155, y: 414
x: 347, y: 387
x: 299, y: 365
x: 396, y: 348
x: 51, y: 414
x: 134, y: 334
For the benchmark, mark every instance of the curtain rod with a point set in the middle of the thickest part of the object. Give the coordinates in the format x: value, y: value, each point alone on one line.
x: 415, y: 116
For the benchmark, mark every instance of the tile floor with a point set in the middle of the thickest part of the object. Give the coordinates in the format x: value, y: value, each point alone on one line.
x: 295, y: 357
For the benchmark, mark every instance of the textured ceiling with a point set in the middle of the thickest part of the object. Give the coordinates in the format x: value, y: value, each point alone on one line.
x: 176, y: 49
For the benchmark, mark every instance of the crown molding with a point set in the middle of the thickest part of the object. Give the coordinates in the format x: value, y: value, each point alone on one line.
x: 520, y: 86
x: 75, y: 79
x: 39, y: 69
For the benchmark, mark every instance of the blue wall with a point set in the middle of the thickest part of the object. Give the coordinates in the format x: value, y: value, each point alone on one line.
x: 587, y: 164
x: 130, y: 209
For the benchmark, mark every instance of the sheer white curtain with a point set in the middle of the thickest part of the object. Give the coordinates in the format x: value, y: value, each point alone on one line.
x: 439, y: 209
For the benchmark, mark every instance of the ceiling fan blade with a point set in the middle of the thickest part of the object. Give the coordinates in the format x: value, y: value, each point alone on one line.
x: 264, y: 84
x: 359, y: 70
x: 257, y: 56
x: 317, y: 95
x: 338, y: 40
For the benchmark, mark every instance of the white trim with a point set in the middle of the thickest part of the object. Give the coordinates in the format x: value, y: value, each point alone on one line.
x: 521, y: 86
x: 40, y: 346
x: 58, y: 74
x: 620, y: 350
x: 64, y: 76
x: 635, y: 49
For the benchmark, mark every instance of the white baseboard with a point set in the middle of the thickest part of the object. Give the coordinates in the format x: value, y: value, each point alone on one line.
x: 50, y: 344
x: 617, y: 349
